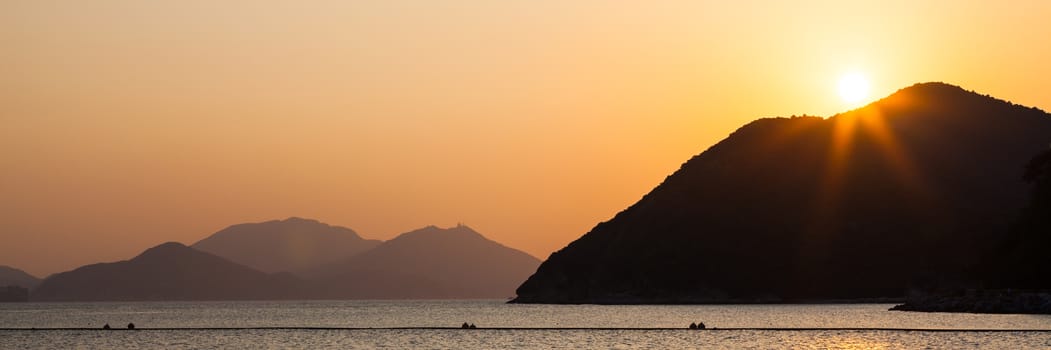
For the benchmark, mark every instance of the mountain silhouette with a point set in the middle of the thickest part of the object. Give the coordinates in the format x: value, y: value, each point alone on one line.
x: 170, y: 271
x: 913, y: 189
x: 10, y: 276
x: 292, y: 245
x: 429, y: 263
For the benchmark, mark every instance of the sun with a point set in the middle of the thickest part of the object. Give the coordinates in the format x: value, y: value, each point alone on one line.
x: 853, y: 88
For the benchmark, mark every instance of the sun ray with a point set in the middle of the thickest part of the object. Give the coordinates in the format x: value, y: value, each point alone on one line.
x: 900, y: 161
x: 865, y: 125
x: 834, y: 175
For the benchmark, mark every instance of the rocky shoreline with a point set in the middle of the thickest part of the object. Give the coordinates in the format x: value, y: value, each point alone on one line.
x: 1002, y: 301
x: 629, y: 300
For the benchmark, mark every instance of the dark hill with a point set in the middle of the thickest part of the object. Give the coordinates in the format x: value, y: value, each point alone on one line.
x: 10, y: 276
x: 430, y: 263
x: 916, y: 188
x: 170, y: 271
x: 292, y: 245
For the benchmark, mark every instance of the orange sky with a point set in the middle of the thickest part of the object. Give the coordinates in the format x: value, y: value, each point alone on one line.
x: 127, y: 123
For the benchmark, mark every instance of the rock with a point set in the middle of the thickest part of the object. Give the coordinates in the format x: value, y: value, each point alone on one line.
x: 992, y: 301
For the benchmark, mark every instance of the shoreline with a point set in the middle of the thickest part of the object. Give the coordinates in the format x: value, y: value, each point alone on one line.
x: 994, y: 301
x: 670, y: 301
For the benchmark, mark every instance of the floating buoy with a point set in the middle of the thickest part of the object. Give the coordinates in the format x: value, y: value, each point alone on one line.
x: 693, y: 325
x: 700, y: 325
x: 131, y: 326
x: 105, y: 326
x: 472, y: 326
x: 464, y: 326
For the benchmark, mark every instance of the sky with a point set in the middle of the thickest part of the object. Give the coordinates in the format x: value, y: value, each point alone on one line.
x: 125, y: 124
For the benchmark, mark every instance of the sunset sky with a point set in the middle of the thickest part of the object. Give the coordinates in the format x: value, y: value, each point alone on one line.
x: 125, y: 124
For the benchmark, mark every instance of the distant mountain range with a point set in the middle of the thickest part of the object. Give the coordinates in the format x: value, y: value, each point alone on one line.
x: 10, y: 276
x: 292, y: 245
x: 428, y: 263
x: 916, y: 190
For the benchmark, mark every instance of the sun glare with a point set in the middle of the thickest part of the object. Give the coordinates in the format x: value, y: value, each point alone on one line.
x: 853, y: 88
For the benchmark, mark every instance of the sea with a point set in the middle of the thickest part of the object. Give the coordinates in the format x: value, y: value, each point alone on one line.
x: 435, y: 324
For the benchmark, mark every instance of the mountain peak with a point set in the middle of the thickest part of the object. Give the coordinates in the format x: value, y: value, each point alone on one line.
x: 169, y: 271
x: 292, y: 244
x: 296, y: 219
x: 939, y: 96
x: 431, y: 231
x: 932, y: 92
x: 432, y: 262
x: 164, y: 249
x: 934, y: 85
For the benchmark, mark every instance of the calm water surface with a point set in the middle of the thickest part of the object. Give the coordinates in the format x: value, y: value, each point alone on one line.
x: 494, y: 313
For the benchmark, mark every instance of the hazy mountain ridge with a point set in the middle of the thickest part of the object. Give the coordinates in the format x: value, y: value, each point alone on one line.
x: 425, y: 263
x: 10, y: 276
x: 292, y: 245
x: 915, y: 187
